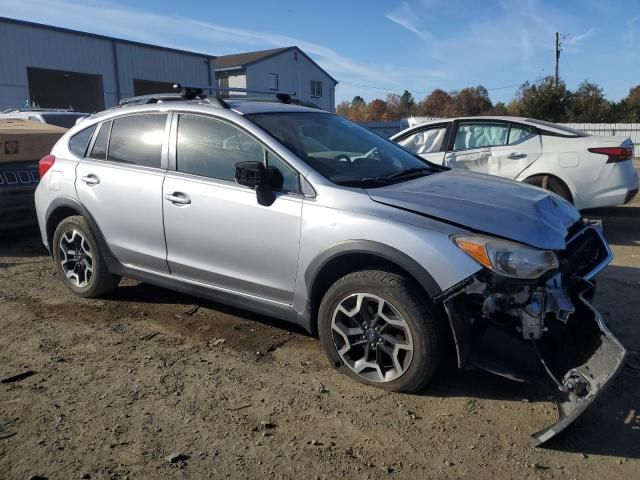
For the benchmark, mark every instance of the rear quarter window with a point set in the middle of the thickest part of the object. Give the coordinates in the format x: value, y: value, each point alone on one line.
x: 80, y: 141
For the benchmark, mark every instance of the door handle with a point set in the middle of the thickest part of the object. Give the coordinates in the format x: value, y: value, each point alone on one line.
x: 516, y: 156
x: 178, y: 198
x: 90, y: 179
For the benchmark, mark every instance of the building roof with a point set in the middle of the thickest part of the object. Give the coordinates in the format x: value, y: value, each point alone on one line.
x: 102, y: 37
x: 242, y: 60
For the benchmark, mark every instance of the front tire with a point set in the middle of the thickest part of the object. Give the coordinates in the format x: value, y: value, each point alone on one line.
x: 379, y: 328
x: 79, y: 261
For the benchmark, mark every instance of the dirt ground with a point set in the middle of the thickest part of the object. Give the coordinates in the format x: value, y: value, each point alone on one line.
x: 123, y: 385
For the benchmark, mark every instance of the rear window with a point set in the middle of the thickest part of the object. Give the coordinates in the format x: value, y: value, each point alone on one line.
x: 138, y: 139
x: 79, y: 142
x: 572, y: 132
x: 66, y: 120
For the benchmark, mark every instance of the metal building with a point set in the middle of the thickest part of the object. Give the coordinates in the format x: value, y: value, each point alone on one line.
x: 59, y: 68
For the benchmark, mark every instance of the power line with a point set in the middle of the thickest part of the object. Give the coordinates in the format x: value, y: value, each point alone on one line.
x: 392, y: 90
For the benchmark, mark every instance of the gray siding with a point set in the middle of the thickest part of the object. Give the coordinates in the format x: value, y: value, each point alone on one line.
x: 293, y: 76
x: 23, y: 46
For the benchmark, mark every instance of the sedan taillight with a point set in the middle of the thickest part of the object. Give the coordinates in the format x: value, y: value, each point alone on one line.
x: 45, y: 164
x: 616, y: 154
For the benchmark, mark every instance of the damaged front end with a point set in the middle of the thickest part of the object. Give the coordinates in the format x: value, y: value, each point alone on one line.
x: 543, y: 329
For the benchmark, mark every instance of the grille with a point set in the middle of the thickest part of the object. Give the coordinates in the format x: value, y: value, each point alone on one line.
x: 584, y: 253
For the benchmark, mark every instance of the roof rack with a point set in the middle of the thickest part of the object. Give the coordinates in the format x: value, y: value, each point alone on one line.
x: 191, y: 92
x: 182, y: 93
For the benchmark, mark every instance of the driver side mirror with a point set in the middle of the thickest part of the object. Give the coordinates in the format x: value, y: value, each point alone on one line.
x: 254, y: 175
x: 250, y: 174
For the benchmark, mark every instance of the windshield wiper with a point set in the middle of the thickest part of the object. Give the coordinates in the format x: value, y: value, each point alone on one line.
x: 409, y: 172
x: 361, y: 182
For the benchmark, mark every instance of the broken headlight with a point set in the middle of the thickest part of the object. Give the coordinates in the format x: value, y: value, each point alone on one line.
x: 506, y: 258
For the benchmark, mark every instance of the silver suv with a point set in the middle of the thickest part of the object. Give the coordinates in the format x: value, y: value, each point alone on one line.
x: 300, y: 214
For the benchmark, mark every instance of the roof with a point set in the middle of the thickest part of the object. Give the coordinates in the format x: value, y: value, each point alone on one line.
x: 101, y: 37
x: 239, y: 106
x: 248, y: 58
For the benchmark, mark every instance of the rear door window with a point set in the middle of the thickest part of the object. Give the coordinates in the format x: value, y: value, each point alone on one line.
x: 79, y: 142
x: 520, y: 133
x: 480, y: 135
x: 138, y: 139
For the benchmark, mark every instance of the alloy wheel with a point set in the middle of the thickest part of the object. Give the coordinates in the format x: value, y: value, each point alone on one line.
x: 76, y: 258
x: 371, y: 337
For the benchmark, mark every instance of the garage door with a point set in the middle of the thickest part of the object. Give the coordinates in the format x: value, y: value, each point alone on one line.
x: 61, y: 89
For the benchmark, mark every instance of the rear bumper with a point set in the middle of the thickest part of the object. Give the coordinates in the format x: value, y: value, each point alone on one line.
x: 617, y: 185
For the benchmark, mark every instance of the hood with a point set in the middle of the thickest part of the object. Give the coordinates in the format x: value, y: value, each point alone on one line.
x: 486, y: 204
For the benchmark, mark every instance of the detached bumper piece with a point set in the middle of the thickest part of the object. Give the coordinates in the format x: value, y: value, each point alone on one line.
x: 591, y: 359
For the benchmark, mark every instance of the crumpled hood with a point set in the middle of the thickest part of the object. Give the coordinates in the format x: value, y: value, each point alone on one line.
x: 487, y: 204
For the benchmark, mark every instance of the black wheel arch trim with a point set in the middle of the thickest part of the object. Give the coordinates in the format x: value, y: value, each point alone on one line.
x: 369, y: 247
x: 68, y: 202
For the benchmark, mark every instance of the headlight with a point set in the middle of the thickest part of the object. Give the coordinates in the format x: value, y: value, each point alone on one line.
x: 509, y: 259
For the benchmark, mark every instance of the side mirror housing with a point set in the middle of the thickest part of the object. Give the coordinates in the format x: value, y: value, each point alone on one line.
x: 250, y: 174
x: 254, y: 175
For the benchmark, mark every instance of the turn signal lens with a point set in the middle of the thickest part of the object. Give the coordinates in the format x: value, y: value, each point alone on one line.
x: 476, y: 251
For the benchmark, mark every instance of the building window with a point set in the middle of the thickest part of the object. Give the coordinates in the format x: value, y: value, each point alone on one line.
x: 273, y: 81
x: 316, y: 88
x: 295, y: 56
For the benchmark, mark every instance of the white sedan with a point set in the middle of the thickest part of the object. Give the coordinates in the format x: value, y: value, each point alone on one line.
x: 589, y: 171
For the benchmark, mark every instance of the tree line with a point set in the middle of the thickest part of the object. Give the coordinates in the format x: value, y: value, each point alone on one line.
x: 541, y: 99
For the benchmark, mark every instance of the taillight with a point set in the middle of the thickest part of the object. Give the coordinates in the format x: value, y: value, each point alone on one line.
x: 616, y: 154
x: 45, y: 164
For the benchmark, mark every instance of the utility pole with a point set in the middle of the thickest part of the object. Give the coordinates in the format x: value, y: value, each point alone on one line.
x: 557, y: 50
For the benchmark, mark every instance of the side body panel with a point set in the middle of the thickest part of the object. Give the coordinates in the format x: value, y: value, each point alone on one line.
x: 127, y: 206
x: 226, y: 239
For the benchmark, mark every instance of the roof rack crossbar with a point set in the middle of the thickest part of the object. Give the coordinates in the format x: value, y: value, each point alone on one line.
x: 216, y: 88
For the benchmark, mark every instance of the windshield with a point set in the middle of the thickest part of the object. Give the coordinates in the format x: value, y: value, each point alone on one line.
x: 66, y: 120
x: 342, y: 151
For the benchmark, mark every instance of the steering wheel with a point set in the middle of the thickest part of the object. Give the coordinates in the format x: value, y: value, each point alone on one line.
x: 342, y: 158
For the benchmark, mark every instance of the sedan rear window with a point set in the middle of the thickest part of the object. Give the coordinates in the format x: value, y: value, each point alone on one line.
x: 571, y: 132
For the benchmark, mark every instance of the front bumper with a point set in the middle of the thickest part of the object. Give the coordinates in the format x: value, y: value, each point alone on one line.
x: 545, y: 332
x: 587, y: 366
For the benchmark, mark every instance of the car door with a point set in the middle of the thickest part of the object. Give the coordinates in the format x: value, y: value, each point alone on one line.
x: 524, y: 146
x: 216, y: 231
x: 470, y: 144
x: 429, y: 142
x: 120, y: 184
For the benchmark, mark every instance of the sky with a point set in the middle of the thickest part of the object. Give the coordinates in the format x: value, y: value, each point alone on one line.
x: 377, y: 47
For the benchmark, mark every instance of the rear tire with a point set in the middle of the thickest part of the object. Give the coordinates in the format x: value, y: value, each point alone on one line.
x: 373, y: 317
x: 79, y: 261
x: 552, y: 184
